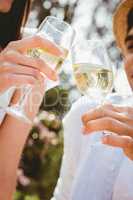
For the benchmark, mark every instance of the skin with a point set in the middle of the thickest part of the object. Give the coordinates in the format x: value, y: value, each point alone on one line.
x: 116, y: 119
x: 17, y: 69
x: 5, y: 5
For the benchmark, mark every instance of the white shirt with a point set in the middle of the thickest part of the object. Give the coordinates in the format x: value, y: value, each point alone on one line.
x: 91, y: 170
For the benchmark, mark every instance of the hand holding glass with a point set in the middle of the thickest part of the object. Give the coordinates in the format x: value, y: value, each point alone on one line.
x: 62, y: 35
x: 92, y: 70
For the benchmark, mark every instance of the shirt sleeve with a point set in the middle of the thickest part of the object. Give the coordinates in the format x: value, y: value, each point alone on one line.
x: 72, y: 148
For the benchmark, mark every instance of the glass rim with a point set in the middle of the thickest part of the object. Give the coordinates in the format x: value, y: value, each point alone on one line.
x: 88, y: 48
x: 86, y: 41
x: 58, y: 20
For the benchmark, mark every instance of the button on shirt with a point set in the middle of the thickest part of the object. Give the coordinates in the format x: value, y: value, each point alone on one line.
x: 91, y: 170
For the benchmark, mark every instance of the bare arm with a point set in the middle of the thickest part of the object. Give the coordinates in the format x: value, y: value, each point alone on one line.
x: 13, y: 133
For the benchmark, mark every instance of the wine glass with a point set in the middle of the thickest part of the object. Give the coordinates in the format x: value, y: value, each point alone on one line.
x: 60, y: 33
x: 92, y: 70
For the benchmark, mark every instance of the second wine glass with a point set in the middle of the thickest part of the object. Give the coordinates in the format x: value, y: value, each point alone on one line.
x: 92, y: 69
x: 93, y: 74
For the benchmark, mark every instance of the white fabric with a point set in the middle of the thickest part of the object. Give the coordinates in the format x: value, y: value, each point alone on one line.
x: 5, y: 99
x: 91, y: 170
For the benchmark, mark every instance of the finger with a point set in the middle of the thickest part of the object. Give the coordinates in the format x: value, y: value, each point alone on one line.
x: 36, y: 42
x: 105, y: 111
x: 118, y: 141
x: 17, y: 80
x: 20, y: 69
x: 93, y: 114
x: 124, y: 142
x: 108, y: 124
x: 124, y: 109
x: 98, y: 111
x: 37, y: 63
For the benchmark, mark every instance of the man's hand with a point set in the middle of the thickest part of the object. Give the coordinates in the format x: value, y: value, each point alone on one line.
x: 118, y: 120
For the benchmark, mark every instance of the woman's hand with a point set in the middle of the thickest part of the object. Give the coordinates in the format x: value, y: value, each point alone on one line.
x: 17, y: 69
x: 118, y: 120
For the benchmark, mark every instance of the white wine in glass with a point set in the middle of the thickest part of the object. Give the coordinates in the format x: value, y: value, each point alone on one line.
x: 93, y: 79
x: 92, y: 69
x: 54, y: 61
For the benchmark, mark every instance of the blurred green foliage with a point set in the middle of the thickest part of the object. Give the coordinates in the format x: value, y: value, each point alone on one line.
x: 39, y: 167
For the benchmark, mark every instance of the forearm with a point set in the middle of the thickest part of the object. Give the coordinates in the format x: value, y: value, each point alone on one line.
x: 13, y: 135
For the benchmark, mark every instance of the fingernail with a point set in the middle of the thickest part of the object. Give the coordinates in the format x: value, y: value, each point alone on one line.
x: 106, y: 134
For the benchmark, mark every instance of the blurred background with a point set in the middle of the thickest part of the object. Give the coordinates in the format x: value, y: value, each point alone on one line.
x: 39, y: 168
